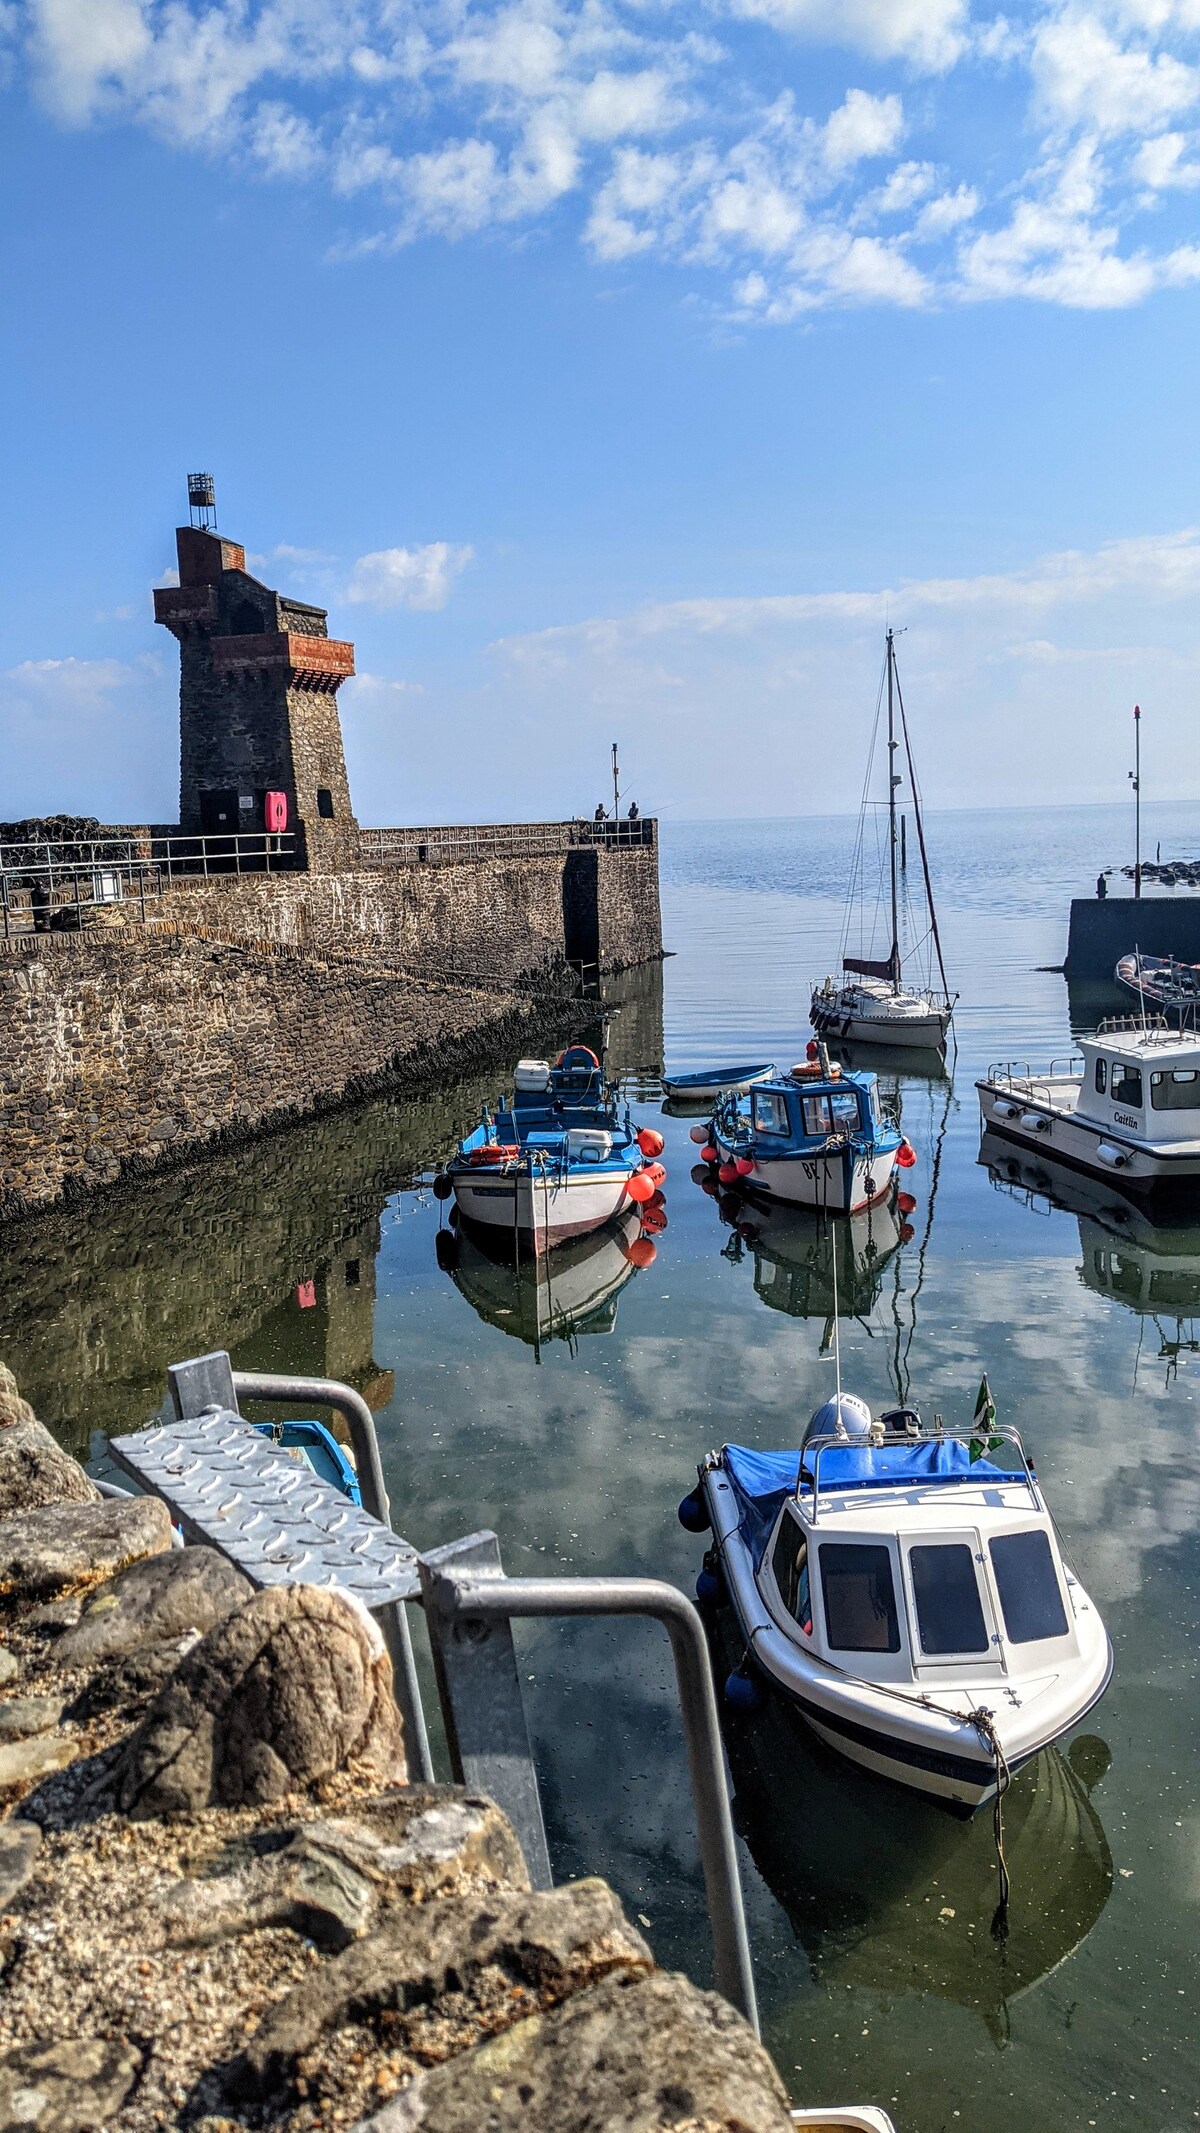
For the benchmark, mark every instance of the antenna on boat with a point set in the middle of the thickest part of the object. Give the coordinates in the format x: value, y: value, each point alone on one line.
x: 837, y: 1338
x: 893, y: 781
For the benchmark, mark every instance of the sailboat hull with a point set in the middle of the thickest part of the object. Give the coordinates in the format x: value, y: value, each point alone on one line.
x: 870, y: 1012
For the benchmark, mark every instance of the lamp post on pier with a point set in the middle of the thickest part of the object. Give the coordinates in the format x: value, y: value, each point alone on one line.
x: 1136, y: 778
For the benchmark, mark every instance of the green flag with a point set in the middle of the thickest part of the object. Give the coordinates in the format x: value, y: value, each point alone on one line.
x: 983, y: 1423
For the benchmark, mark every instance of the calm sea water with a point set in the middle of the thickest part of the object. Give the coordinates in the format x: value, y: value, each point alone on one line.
x: 570, y: 1418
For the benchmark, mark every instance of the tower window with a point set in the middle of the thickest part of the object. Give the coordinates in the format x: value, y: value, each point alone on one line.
x: 325, y: 802
x: 247, y: 620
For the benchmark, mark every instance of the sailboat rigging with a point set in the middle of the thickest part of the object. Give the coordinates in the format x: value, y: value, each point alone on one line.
x: 871, y: 1003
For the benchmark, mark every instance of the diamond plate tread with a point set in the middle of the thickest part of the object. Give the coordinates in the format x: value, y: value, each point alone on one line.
x: 270, y: 1514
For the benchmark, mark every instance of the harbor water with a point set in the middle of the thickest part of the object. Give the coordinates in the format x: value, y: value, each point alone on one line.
x: 567, y: 1411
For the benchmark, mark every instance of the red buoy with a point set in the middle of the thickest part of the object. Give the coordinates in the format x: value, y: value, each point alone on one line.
x: 650, y: 1141
x: 643, y: 1252
x: 655, y: 1219
x: 658, y: 1172
x: 905, y: 1202
x: 906, y: 1155
x: 699, y: 1134
x: 812, y: 1049
x: 744, y: 1166
x: 640, y: 1187
x: 728, y: 1173
x: 711, y: 1154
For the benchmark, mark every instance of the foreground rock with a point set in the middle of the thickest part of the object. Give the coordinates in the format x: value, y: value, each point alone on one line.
x: 65, y: 2088
x: 156, y: 1600
x: 283, y: 1692
x: 34, y: 1470
x: 222, y: 1909
x: 73, y: 1543
x: 632, y: 2055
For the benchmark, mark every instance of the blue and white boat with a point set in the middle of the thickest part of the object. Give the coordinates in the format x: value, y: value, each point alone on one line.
x: 905, y: 1590
x: 556, y: 1159
x: 815, y: 1137
x: 314, y: 1445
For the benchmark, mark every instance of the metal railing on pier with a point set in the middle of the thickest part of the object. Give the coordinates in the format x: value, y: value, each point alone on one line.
x: 446, y: 846
x: 53, y: 882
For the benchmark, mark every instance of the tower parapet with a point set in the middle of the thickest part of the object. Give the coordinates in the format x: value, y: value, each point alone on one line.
x: 259, y: 675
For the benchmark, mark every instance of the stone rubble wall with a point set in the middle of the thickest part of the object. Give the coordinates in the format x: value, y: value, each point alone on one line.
x: 223, y: 1906
x: 121, y: 1053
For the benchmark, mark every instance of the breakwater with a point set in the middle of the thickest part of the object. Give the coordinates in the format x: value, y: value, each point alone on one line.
x: 1103, y: 929
x: 223, y: 1905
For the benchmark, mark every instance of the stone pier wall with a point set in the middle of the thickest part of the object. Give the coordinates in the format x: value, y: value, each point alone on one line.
x: 122, y: 1053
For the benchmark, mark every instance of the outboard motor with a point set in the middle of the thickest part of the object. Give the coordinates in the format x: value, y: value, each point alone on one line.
x: 848, y: 1416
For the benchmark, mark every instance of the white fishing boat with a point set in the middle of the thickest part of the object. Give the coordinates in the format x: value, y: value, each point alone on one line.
x: 556, y: 1159
x: 905, y: 1590
x: 870, y: 1003
x: 1128, y: 1106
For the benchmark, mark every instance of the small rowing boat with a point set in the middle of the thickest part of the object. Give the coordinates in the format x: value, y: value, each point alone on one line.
x: 714, y: 1082
x: 1162, y: 980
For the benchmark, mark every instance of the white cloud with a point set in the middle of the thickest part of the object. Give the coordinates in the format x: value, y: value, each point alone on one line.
x: 1085, y: 77
x: 928, y: 34
x: 861, y: 129
x: 407, y: 577
x: 658, y: 141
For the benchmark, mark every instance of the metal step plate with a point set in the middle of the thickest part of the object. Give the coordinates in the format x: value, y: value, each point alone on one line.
x: 270, y: 1514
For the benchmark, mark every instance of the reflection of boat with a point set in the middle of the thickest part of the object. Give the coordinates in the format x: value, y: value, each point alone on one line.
x: 905, y: 1589
x: 870, y: 1003
x: 570, y: 1291
x: 887, y: 1893
x: 705, y: 1087
x: 315, y: 1446
x: 1150, y: 1268
x: 794, y: 1250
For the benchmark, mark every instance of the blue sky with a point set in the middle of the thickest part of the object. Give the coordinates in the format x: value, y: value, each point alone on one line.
x: 612, y: 368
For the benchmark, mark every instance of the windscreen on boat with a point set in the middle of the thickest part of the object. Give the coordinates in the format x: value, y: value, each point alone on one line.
x: 764, y: 1480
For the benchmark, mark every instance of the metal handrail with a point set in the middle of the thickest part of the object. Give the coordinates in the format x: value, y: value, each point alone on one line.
x: 960, y: 1433
x: 464, y: 1597
x: 1014, y: 1073
x: 415, y: 846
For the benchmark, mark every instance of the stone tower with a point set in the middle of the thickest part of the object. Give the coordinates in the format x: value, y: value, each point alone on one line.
x: 259, y: 676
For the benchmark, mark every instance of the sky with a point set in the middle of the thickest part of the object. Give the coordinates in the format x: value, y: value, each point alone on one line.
x: 611, y: 369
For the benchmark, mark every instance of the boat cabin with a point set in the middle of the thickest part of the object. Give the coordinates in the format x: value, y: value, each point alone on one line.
x: 803, y: 1107
x: 1145, y: 1081
x: 910, y: 1563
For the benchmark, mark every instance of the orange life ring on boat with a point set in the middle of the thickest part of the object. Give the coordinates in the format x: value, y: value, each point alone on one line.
x: 577, y: 1054
x: 805, y: 1069
x: 494, y: 1152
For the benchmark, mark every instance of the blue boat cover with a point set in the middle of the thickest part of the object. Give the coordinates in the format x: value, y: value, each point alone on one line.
x: 764, y: 1480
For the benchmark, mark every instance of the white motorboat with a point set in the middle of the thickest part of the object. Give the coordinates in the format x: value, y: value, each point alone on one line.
x: 1127, y: 1107
x: 904, y: 1589
x: 870, y: 1003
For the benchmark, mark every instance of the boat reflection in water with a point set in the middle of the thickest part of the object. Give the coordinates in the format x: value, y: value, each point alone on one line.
x: 794, y: 1250
x: 887, y: 1892
x: 570, y: 1291
x: 1149, y: 1267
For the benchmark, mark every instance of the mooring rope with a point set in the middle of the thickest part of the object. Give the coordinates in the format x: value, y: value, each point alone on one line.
x: 985, y: 1725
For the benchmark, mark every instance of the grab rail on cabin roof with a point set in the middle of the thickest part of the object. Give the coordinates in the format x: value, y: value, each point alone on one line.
x: 1017, y: 1073
x: 960, y: 1433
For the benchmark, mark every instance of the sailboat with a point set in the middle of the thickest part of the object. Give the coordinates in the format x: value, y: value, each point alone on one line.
x: 871, y: 1004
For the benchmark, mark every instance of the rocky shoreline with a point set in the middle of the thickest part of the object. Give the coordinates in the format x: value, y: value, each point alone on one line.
x: 223, y: 1906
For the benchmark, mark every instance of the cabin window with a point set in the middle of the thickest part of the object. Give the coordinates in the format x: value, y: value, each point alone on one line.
x: 790, y: 1565
x: 1028, y: 1588
x: 768, y: 1109
x: 816, y: 1114
x: 1175, y: 1092
x: 844, y: 1104
x: 949, y: 1613
x: 1126, y: 1085
x: 1101, y: 1076
x: 860, y: 1598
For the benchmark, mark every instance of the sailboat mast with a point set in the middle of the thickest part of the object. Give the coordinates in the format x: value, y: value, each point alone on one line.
x: 891, y: 760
